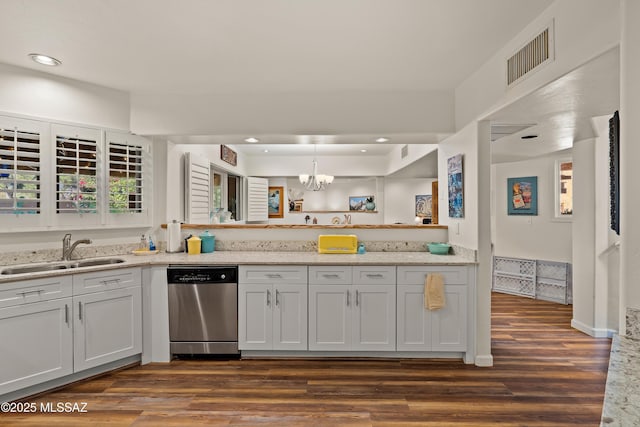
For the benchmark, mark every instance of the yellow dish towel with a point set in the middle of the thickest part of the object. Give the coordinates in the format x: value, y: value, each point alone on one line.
x: 434, y: 292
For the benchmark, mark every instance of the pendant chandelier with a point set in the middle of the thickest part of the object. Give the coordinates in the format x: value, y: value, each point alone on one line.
x: 315, y: 181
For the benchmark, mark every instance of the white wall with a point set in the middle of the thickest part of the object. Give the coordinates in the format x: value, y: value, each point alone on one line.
x: 531, y: 237
x: 462, y: 231
x: 583, y: 30
x: 399, y: 198
x: 629, y: 154
x: 340, y: 166
x: 584, y: 236
x: 41, y: 95
x: 312, y: 112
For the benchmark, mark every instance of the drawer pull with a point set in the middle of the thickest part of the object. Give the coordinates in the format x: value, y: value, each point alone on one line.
x: 277, y: 297
x: 274, y: 276
x: 375, y: 276
x: 357, y: 298
x: 348, y: 298
x: 66, y: 314
x: 24, y: 294
x: 331, y: 276
x: 268, y: 297
x: 109, y: 281
x: 79, y: 310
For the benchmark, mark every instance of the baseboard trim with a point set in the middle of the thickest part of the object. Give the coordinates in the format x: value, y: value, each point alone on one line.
x: 484, y: 360
x: 593, y: 332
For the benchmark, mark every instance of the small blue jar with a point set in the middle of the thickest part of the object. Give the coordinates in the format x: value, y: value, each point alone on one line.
x: 361, y: 249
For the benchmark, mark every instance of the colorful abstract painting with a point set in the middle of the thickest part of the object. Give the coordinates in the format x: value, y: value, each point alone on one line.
x: 455, y: 181
x: 522, y: 196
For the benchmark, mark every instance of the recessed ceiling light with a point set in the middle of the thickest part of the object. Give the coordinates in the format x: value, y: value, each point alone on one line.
x: 266, y: 151
x: 382, y: 140
x: 45, y: 59
x: 528, y: 136
x: 363, y: 151
x: 251, y: 140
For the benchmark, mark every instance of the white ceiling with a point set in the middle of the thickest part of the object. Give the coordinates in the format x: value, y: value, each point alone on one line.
x: 273, y: 50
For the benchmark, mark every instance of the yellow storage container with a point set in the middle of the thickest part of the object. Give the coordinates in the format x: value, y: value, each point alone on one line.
x: 337, y: 244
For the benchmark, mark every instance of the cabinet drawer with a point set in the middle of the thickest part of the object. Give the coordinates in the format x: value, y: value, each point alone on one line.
x: 374, y: 275
x: 416, y: 275
x: 272, y: 274
x: 35, y: 290
x: 98, y: 281
x: 330, y: 275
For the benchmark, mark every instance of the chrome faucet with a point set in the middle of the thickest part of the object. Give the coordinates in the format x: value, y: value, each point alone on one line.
x: 68, y: 248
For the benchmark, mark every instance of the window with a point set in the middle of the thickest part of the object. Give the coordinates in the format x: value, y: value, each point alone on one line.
x: 76, y: 175
x: 125, y: 178
x: 19, y: 172
x: 564, y: 189
x: 225, y: 193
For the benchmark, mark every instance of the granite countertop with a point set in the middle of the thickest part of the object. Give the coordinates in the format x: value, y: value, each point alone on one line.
x: 622, y: 396
x: 250, y: 257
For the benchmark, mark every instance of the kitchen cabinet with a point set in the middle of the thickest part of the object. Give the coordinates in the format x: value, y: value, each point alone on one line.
x: 272, y: 308
x: 37, y: 343
x: 349, y: 311
x: 107, y: 325
x: 420, y: 329
x: 48, y: 332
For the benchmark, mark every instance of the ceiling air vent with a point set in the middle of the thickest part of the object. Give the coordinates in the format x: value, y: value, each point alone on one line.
x: 404, y: 152
x: 533, y: 54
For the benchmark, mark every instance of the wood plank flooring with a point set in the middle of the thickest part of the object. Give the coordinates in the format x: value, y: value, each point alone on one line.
x: 544, y: 374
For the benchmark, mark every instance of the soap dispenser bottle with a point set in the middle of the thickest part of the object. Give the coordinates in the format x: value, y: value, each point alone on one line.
x: 143, y: 245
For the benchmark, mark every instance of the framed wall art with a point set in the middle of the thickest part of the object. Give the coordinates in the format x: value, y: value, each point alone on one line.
x: 423, y: 206
x: 228, y: 155
x: 455, y: 183
x: 276, y: 209
x: 522, y: 196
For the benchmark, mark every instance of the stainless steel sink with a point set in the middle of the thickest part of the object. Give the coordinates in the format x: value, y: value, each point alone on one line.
x: 34, y: 268
x: 60, y: 266
x: 94, y: 262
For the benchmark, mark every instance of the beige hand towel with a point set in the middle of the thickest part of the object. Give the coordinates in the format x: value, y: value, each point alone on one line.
x: 434, y: 292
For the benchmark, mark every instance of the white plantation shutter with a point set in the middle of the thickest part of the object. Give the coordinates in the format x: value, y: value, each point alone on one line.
x: 197, y: 189
x: 21, y: 172
x: 77, y: 169
x: 257, y: 199
x: 129, y: 170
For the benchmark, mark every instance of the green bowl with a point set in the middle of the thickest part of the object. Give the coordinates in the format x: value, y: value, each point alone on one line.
x: 439, y: 248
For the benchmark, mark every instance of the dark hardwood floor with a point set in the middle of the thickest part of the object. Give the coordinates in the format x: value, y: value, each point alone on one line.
x: 544, y: 373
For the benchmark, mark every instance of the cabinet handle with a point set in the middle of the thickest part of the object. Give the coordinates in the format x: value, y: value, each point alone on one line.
x: 66, y: 314
x: 330, y: 276
x: 268, y: 297
x: 79, y: 310
x: 375, y: 276
x: 277, y: 297
x: 357, y: 298
x: 24, y: 294
x: 274, y: 276
x: 348, y: 297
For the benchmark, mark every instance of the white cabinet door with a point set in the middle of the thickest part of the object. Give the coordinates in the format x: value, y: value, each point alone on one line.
x: 290, y: 317
x: 329, y: 317
x: 449, y: 324
x: 374, y: 317
x: 107, y: 327
x: 37, y: 342
x: 439, y: 330
x: 255, y: 317
x: 414, y: 321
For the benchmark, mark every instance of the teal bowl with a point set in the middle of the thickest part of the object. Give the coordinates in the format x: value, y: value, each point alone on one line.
x: 439, y: 248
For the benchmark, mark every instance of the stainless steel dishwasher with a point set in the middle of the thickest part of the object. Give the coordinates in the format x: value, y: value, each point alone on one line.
x: 203, y: 309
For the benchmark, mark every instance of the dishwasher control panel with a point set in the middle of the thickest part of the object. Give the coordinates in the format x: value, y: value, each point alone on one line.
x: 201, y: 274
